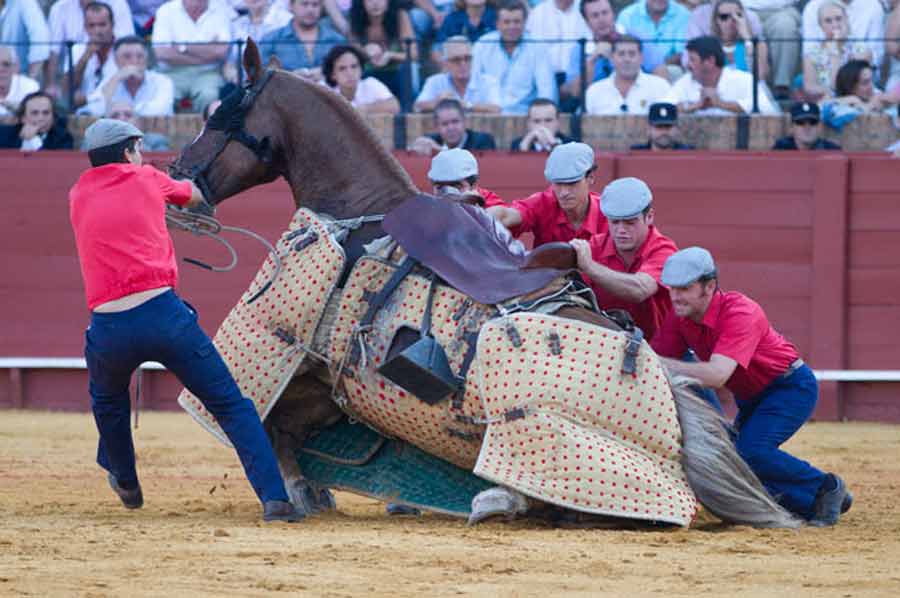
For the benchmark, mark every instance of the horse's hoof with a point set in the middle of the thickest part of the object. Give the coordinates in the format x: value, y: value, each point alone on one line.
x: 310, y: 498
x: 497, y: 502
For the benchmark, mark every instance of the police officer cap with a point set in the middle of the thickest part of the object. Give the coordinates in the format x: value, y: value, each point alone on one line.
x: 453, y: 165
x: 625, y: 198
x: 687, y: 266
x: 109, y: 131
x: 663, y: 113
x: 805, y: 111
x: 569, y: 162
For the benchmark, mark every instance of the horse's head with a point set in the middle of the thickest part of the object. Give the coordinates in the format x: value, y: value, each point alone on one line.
x: 237, y: 147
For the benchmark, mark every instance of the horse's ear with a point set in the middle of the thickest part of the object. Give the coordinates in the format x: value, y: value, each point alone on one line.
x: 252, y: 61
x: 274, y: 62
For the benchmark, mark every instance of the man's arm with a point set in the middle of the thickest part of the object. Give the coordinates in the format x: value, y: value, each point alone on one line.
x: 713, y: 373
x: 193, y: 54
x: 508, y: 217
x: 633, y: 288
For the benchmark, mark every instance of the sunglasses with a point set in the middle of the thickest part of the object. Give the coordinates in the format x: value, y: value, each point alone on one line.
x: 460, y: 59
x: 724, y: 16
x: 807, y: 122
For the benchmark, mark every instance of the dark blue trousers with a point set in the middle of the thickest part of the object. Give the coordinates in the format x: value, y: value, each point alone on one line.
x: 768, y: 420
x: 165, y: 329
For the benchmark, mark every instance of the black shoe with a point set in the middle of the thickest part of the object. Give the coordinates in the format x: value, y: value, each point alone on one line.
x: 281, y: 510
x: 827, y: 508
x: 132, y: 499
x: 394, y: 508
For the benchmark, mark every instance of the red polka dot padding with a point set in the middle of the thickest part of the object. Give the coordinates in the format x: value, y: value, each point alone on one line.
x: 255, y: 339
x: 590, y: 437
x: 456, y: 322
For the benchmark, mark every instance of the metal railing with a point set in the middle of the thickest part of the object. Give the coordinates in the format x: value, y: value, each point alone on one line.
x: 407, y: 90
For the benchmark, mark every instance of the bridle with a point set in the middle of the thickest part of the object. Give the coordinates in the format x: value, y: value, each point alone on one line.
x: 229, y: 118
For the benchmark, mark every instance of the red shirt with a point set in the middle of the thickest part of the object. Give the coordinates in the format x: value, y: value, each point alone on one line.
x: 542, y: 216
x: 734, y: 326
x: 491, y: 199
x: 650, y: 313
x: 118, y: 213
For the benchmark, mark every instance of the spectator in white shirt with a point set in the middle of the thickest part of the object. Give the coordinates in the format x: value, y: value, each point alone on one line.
x: 557, y: 20
x: 866, y: 23
x: 781, y: 24
x: 628, y: 90
x: 478, y: 94
x: 22, y: 22
x: 712, y: 89
x: 14, y: 86
x: 94, y: 60
x: 67, y: 25
x: 191, y: 40
x: 149, y: 92
x: 342, y: 69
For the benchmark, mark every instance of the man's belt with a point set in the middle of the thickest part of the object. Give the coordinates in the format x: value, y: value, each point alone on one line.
x: 795, y: 365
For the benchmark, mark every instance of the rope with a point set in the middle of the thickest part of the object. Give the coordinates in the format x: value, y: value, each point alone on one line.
x: 202, y: 225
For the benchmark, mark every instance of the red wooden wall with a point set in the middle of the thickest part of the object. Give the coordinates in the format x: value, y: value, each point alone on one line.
x: 812, y: 237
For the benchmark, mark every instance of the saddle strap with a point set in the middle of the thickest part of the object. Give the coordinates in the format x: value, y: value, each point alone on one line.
x: 426, y: 318
x: 390, y: 286
x: 632, y: 348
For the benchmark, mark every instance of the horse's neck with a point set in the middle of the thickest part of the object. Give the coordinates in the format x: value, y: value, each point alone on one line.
x: 339, y: 167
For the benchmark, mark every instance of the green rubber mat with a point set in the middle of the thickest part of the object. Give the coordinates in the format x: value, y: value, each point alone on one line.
x: 355, y: 458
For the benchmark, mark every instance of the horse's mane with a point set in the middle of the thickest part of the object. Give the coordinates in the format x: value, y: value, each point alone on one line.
x: 347, y: 113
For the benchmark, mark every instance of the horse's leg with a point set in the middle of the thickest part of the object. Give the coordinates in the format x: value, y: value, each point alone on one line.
x: 305, y: 405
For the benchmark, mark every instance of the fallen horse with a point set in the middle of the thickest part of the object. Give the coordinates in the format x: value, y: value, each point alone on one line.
x: 434, y: 367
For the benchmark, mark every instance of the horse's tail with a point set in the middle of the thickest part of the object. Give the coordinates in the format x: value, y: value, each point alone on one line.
x: 721, y: 479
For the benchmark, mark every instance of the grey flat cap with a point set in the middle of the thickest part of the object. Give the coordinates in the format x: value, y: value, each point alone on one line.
x: 109, y: 131
x: 569, y: 162
x: 686, y: 266
x: 452, y: 165
x: 625, y: 198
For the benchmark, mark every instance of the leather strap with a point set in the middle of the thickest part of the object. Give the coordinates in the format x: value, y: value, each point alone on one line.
x: 632, y: 348
x: 390, y: 286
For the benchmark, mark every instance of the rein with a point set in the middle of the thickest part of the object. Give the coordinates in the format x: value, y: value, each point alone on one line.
x: 207, y: 226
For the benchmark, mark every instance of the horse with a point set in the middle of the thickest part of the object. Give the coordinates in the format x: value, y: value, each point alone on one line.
x: 279, y: 125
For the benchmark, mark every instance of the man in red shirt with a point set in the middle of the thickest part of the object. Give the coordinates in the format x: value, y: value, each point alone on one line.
x: 566, y: 210
x: 624, y: 265
x: 455, y: 171
x: 118, y: 210
x: 775, y: 391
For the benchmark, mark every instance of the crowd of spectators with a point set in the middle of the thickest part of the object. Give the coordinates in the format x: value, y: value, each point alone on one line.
x: 159, y: 57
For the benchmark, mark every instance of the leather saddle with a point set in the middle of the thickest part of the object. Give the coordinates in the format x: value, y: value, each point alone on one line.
x: 471, y: 250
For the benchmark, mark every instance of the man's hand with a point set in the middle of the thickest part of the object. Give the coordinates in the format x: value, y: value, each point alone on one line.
x: 709, y: 97
x: 583, y: 252
x: 425, y: 146
x: 128, y: 71
x: 28, y: 131
x: 601, y: 49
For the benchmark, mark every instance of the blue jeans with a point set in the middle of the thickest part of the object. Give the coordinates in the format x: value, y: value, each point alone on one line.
x: 165, y: 329
x: 766, y: 422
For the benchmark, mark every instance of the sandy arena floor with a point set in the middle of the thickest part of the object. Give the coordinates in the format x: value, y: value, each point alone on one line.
x: 63, y: 532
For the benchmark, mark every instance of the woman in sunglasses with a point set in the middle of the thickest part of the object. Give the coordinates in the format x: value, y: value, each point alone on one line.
x: 823, y: 60
x: 729, y: 24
